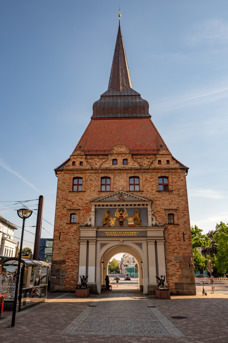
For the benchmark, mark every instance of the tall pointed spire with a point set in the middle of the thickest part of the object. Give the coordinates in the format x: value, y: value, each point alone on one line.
x: 120, y: 76
x: 120, y: 100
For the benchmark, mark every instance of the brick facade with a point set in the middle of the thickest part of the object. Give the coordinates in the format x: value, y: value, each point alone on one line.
x: 147, y: 162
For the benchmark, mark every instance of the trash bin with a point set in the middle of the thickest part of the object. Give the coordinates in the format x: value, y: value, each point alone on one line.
x: 2, y: 298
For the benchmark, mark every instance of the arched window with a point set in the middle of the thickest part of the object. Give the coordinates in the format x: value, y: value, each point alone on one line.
x: 125, y: 162
x: 73, y: 218
x: 170, y: 218
x: 77, y: 184
x: 134, y: 183
x: 105, y: 184
x: 163, y: 183
x: 114, y: 162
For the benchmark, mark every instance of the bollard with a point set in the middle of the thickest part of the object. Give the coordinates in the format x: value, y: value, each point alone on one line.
x: 2, y: 298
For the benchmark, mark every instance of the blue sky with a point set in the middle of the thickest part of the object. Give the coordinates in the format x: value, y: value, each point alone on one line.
x: 55, y: 62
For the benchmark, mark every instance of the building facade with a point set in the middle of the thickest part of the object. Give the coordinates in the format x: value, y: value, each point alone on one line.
x: 45, y: 251
x: 122, y: 191
x: 128, y: 265
x: 8, y: 247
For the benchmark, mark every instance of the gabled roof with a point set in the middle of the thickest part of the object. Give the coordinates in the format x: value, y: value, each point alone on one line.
x: 62, y: 165
x: 120, y: 116
x: 139, y: 135
x: 121, y: 196
x: 7, y: 223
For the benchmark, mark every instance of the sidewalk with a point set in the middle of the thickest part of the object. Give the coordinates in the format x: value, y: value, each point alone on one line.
x: 121, y: 316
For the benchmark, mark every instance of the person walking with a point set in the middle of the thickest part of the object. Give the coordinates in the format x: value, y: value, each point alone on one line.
x: 117, y: 280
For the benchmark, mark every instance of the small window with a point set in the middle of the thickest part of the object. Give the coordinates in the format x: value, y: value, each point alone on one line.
x: 163, y: 184
x: 125, y: 161
x: 81, y: 163
x: 170, y: 218
x: 167, y: 162
x: 159, y: 162
x: 77, y: 184
x: 114, y: 162
x: 73, y: 163
x: 73, y: 218
x: 134, y: 183
x: 105, y: 184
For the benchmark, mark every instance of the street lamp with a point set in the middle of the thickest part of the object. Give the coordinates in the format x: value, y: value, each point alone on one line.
x: 23, y: 213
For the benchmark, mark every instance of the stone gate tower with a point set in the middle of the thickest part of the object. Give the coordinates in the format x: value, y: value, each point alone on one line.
x: 122, y: 190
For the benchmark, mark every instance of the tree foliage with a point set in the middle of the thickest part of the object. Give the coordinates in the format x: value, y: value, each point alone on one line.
x: 198, y: 239
x: 221, y: 239
x: 26, y: 251
x: 210, y: 252
x: 113, y: 266
x: 199, y: 242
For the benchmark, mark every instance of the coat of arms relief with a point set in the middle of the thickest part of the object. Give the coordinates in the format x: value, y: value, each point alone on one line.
x: 121, y: 218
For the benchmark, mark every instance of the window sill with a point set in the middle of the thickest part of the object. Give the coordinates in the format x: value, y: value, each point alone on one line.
x: 170, y: 190
x: 72, y: 223
x: 76, y: 191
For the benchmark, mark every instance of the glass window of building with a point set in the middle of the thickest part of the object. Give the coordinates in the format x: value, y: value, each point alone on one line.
x: 163, y: 183
x: 105, y: 184
x: 77, y: 184
x: 134, y: 183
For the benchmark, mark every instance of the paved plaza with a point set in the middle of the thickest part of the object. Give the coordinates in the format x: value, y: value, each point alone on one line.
x: 124, y: 316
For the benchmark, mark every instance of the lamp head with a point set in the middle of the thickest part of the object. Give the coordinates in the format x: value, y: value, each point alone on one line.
x: 24, y: 213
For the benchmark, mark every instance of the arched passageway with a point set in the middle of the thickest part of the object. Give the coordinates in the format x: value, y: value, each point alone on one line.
x: 112, y: 249
x: 123, y: 270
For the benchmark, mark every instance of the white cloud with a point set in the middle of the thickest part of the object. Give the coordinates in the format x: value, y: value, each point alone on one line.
x: 13, y: 172
x: 195, y: 97
x: 209, y: 223
x: 207, y: 193
x: 211, y: 31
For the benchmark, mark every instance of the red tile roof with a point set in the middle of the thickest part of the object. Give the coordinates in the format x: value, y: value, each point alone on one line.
x: 138, y: 134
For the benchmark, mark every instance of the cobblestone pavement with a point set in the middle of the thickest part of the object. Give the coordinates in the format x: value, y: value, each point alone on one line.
x: 121, y: 316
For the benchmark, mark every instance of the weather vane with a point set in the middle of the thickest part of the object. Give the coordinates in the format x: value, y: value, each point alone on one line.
x: 119, y: 14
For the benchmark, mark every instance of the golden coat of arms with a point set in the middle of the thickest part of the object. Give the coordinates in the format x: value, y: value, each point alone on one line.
x: 121, y: 215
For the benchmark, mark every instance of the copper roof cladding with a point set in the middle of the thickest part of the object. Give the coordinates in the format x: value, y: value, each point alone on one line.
x: 120, y: 76
x: 120, y: 100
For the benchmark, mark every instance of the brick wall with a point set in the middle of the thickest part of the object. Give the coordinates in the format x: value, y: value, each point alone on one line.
x: 178, y: 248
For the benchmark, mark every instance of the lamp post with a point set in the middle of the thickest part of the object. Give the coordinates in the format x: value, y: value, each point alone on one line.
x: 23, y: 213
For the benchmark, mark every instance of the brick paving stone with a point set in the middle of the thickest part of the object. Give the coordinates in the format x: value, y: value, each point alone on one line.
x: 206, y: 320
x: 122, y: 318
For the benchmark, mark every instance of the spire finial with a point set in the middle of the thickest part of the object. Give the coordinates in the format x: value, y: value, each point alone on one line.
x: 119, y: 14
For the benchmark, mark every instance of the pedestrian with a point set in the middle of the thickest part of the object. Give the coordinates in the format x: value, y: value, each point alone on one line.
x: 107, y: 282
x: 212, y: 286
x: 117, y: 280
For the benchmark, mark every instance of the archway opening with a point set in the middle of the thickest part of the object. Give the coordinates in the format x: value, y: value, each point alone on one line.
x: 123, y: 265
x: 123, y: 272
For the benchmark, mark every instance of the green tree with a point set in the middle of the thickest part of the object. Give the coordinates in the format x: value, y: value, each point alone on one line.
x: 113, y: 266
x: 211, y: 252
x: 221, y: 238
x: 26, y: 251
x: 199, y: 242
